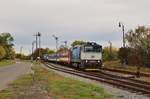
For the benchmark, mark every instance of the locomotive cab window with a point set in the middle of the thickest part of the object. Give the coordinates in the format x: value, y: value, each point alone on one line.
x: 92, y: 48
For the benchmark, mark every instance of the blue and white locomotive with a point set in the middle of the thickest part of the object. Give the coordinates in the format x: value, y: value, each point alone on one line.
x: 88, y: 55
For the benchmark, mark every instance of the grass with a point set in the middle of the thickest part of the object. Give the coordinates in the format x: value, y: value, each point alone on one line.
x: 5, y: 62
x: 118, y: 65
x: 50, y: 84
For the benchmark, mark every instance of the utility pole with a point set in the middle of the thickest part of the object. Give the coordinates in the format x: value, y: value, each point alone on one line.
x: 110, y: 49
x: 38, y: 46
x: 21, y: 52
x: 36, y: 40
x: 32, y: 49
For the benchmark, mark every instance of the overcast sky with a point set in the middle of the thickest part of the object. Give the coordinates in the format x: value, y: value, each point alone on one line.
x: 89, y: 20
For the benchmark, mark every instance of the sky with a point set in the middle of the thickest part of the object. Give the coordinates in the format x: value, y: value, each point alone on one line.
x: 88, y: 20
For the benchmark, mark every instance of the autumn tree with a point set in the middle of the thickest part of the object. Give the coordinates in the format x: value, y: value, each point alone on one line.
x: 139, y: 41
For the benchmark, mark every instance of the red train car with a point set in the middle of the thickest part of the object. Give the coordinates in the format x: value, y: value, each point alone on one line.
x: 64, y: 57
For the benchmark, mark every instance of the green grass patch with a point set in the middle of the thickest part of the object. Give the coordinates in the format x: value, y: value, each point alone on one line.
x: 56, y: 86
x: 6, y: 62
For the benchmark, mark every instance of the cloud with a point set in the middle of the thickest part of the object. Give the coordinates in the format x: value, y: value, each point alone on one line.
x: 90, y: 20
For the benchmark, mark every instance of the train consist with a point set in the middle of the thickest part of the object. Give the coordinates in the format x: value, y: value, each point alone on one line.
x: 88, y: 55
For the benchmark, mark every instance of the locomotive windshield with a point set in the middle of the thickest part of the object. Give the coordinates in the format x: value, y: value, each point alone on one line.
x: 92, y: 48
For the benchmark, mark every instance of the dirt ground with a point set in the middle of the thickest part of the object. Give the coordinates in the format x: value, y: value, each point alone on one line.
x: 10, y: 73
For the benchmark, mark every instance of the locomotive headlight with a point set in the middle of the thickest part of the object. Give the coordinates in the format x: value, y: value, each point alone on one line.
x: 86, y: 61
x: 98, y: 61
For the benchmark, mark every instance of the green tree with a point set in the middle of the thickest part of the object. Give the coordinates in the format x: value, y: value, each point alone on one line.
x: 6, y: 40
x: 50, y: 52
x: 77, y: 43
x: 2, y: 52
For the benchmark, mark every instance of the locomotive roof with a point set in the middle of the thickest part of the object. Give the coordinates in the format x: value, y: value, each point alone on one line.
x: 92, y: 43
x: 88, y: 44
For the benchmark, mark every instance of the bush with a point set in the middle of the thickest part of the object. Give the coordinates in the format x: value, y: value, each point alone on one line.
x: 109, y: 56
x: 123, y: 54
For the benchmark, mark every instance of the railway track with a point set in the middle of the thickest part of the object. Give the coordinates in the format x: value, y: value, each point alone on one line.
x: 127, y: 72
x: 131, y: 84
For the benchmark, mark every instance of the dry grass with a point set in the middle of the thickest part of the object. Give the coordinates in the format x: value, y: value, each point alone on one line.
x: 118, y: 65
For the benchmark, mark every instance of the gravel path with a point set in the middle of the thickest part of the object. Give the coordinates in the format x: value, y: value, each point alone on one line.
x: 10, y: 73
x: 116, y: 92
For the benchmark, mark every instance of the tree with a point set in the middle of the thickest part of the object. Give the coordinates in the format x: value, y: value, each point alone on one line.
x: 139, y: 40
x: 62, y: 48
x: 22, y: 56
x: 2, y: 52
x: 77, y: 43
x: 51, y: 51
x: 6, y: 40
x: 42, y: 52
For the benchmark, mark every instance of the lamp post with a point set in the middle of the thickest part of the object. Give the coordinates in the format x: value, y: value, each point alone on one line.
x: 39, y: 35
x: 65, y: 42
x: 121, y: 25
x: 56, y: 38
x: 36, y: 40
